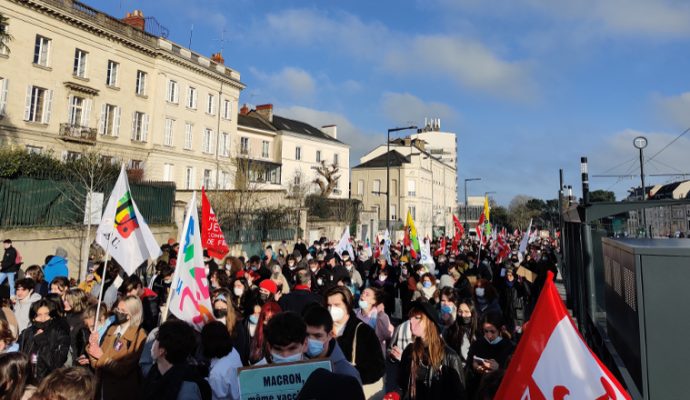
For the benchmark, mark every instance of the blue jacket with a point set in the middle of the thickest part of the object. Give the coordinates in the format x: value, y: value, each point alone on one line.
x: 57, y: 266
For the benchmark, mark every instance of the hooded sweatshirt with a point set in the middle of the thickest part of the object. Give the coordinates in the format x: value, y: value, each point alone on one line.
x: 21, y: 310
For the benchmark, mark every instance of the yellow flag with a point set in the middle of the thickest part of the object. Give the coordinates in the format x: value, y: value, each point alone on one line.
x: 413, y: 231
x: 486, y: 207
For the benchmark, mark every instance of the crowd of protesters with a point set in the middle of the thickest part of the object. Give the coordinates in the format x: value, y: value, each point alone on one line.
x: 391, y: 327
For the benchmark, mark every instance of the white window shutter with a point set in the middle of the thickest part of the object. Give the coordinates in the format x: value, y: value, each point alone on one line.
x: 177, y: 94
x: 116, y: 122
x: 48, y: 106
x: 194, y: 99
x: 86, y: 116
x: 145, y: 128
x: 167, y: 95
x: 101, y: 121
x: 134, y: 125
x: 27, y: 109
x: 69, y: 109
x: 3, y: 96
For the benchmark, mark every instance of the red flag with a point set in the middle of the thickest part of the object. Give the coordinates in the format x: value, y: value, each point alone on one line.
x: 407, y: 243
x: 212, y: 238
x: 441, y: 248
x: 552, y: 360
x: 377, y: 248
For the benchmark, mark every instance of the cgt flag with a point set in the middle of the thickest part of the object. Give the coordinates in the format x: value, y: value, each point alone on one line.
x: 190, y: 299
x: 123, y: 233
x: 211, y: 234
x: 553, y: 362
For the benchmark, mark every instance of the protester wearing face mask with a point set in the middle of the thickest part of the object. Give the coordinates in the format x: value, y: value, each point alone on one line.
x: 301, y: 295
x: 355, y: 277
x: 371, y: 312
x: 45, y: 338
x: 289, y: 269
x: 239, y: 291
x: 172, y: 377
x: 267, y: 290
x: 387, y: 279
x: 514, y: 299
x: 286, y: 339
x: 463, y: 331
x: 357, y: 340
x: 224, y: 361
x: 322, y: 343
x: 490, y: 351
x: 427, y: 289
x: 116, y: 358
x: 280, y: 280
x: 448, y: 307
x: 486, y: 297
x: 256, y: 344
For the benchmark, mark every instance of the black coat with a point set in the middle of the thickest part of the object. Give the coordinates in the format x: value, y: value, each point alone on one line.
x: 51, y: 347
x: 167, y: 387
x: 447, y: 383
x: 368, y: 358
x: 514, y: 300
x: 9, y: 259
x: 500, y: 352
x: 298, y: 299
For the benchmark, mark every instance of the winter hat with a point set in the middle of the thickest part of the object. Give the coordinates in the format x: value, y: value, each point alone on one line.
x: 269, y: 285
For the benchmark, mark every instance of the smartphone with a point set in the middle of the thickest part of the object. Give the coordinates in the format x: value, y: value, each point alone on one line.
x: 479, y: 359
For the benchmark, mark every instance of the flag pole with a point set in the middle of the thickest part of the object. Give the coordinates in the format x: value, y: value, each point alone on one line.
x: 100, y: 292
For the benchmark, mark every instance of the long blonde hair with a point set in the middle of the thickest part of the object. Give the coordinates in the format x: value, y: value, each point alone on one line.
x: 135, y: 308
x: 428, y: 350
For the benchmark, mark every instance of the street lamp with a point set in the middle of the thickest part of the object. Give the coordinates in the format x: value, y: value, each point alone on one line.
x: 640, y: 143
x: 468, y: 180
x: 388, y: 173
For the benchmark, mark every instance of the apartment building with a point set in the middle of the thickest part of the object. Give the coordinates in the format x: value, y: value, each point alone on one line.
x: 78, y: 80
x: 420, y: 183
x: 291, y: 150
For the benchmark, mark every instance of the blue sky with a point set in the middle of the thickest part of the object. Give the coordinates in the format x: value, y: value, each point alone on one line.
x: 529, y: 86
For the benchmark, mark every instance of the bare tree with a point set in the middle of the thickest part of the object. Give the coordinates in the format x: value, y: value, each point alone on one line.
x: 327, y: 176
x: 245, y: 197
x: 298, y: 189
x: 4, y: 36
x: 519, y: 213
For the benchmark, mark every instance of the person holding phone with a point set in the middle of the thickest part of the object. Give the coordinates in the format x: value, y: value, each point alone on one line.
x: 490, y: 352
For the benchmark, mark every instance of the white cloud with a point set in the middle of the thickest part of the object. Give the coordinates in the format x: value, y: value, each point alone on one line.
x: 404, y: 108
x: 467, y: 62
x: 294, y: 83
x: 677, y: 108
x: 360, y: 142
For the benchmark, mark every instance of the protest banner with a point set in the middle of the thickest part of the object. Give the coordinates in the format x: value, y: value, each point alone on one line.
x: 277, y: 381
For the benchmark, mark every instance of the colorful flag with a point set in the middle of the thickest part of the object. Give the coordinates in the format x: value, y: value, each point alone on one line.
x: 212, y: 238
x: 525, y: 239
x: 553, y: 362
x: 345, y: 245
x: 425, y: 255
x: 190, y: 299
x: 123, y: 233
x: 486, y: 208
x: 413, y: 232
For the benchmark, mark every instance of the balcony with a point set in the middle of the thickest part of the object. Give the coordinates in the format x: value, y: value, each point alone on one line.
x: 76, y: 133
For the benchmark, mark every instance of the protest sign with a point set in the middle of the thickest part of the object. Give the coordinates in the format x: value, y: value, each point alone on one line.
x: 277, y: 381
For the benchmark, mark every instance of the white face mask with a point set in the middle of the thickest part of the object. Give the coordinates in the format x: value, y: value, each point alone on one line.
x: 238, y: 291
x: 497, y: 340
x: 337, y: 313
x: 480, y: 292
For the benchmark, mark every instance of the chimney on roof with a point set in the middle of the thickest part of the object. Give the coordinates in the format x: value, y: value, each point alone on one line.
x: 135, y: 19
x: 244, y: 110
x: 218, y: 58
x: 330, y: 130
x: 266, y: 111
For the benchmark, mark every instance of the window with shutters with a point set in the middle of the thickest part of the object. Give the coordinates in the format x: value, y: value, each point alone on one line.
x: 411, y: 188
x: 360, y: 187
x: 140, y: 84
x: 173, y: 92
x: 244, y: 145
x: 318, y: 155
x: 33, y: 149
x: 227, y: 109
x: 78, y: 115
x: 208, y: 141
x: 264, y: 148
x: 191, y: 97
x: 71, y: 156
x: 298, y: 153
x: 42, y: 51
x: 394, y: 215
x: 335, y: 159
x: 110, y: 120
x: 79, y: 69
x: 38, y: 104
x: 168, y: 172
x: 224, y: 180
x: 413, y: 211
x: 140, y: 122
x: 376, y: 189
x: 225, y: 144
x: 207, y: 178
x: 211, y: 104
x: 189, y: 178
x: 188, y: 129
x: 169, y: 132
x: 4, y: 86
x: 112, y: 73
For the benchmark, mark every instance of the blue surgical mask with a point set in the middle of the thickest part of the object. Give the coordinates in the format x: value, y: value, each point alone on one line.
x: 254, y: 319
x: 426, y: 284
x: 363, y: 305
x: 314, y: 348
x: 497, y: 340
x: 278, y: 359
x: 446, y: 309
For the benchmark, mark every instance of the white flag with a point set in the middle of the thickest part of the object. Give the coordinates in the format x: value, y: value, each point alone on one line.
x: 525, y: 239
x: 387, y: 246
x: 190, y: 299
x: 425, y: 255
x: 344, y: 245
x: 123, y: 233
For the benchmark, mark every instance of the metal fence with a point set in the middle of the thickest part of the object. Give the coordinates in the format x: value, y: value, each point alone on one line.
x: 32, y: 202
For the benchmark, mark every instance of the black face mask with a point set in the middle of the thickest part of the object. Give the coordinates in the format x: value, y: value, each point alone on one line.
x: 220, y: 312
x: 466, y: 320
x: 41, y: 325
x: 120, y: 318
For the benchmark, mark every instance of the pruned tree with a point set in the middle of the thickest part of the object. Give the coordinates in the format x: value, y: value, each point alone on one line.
x: 327, y: 176
x: 5, y: 37
x: 298, y: 189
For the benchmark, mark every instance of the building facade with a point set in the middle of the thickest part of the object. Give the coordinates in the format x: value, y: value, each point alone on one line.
x: 662, y: 221
x: 77, y: 80
x: 293, y: 149
x: 420, y: 183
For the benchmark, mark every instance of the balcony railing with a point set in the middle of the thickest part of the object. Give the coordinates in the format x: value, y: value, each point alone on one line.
x: 77, y: 133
